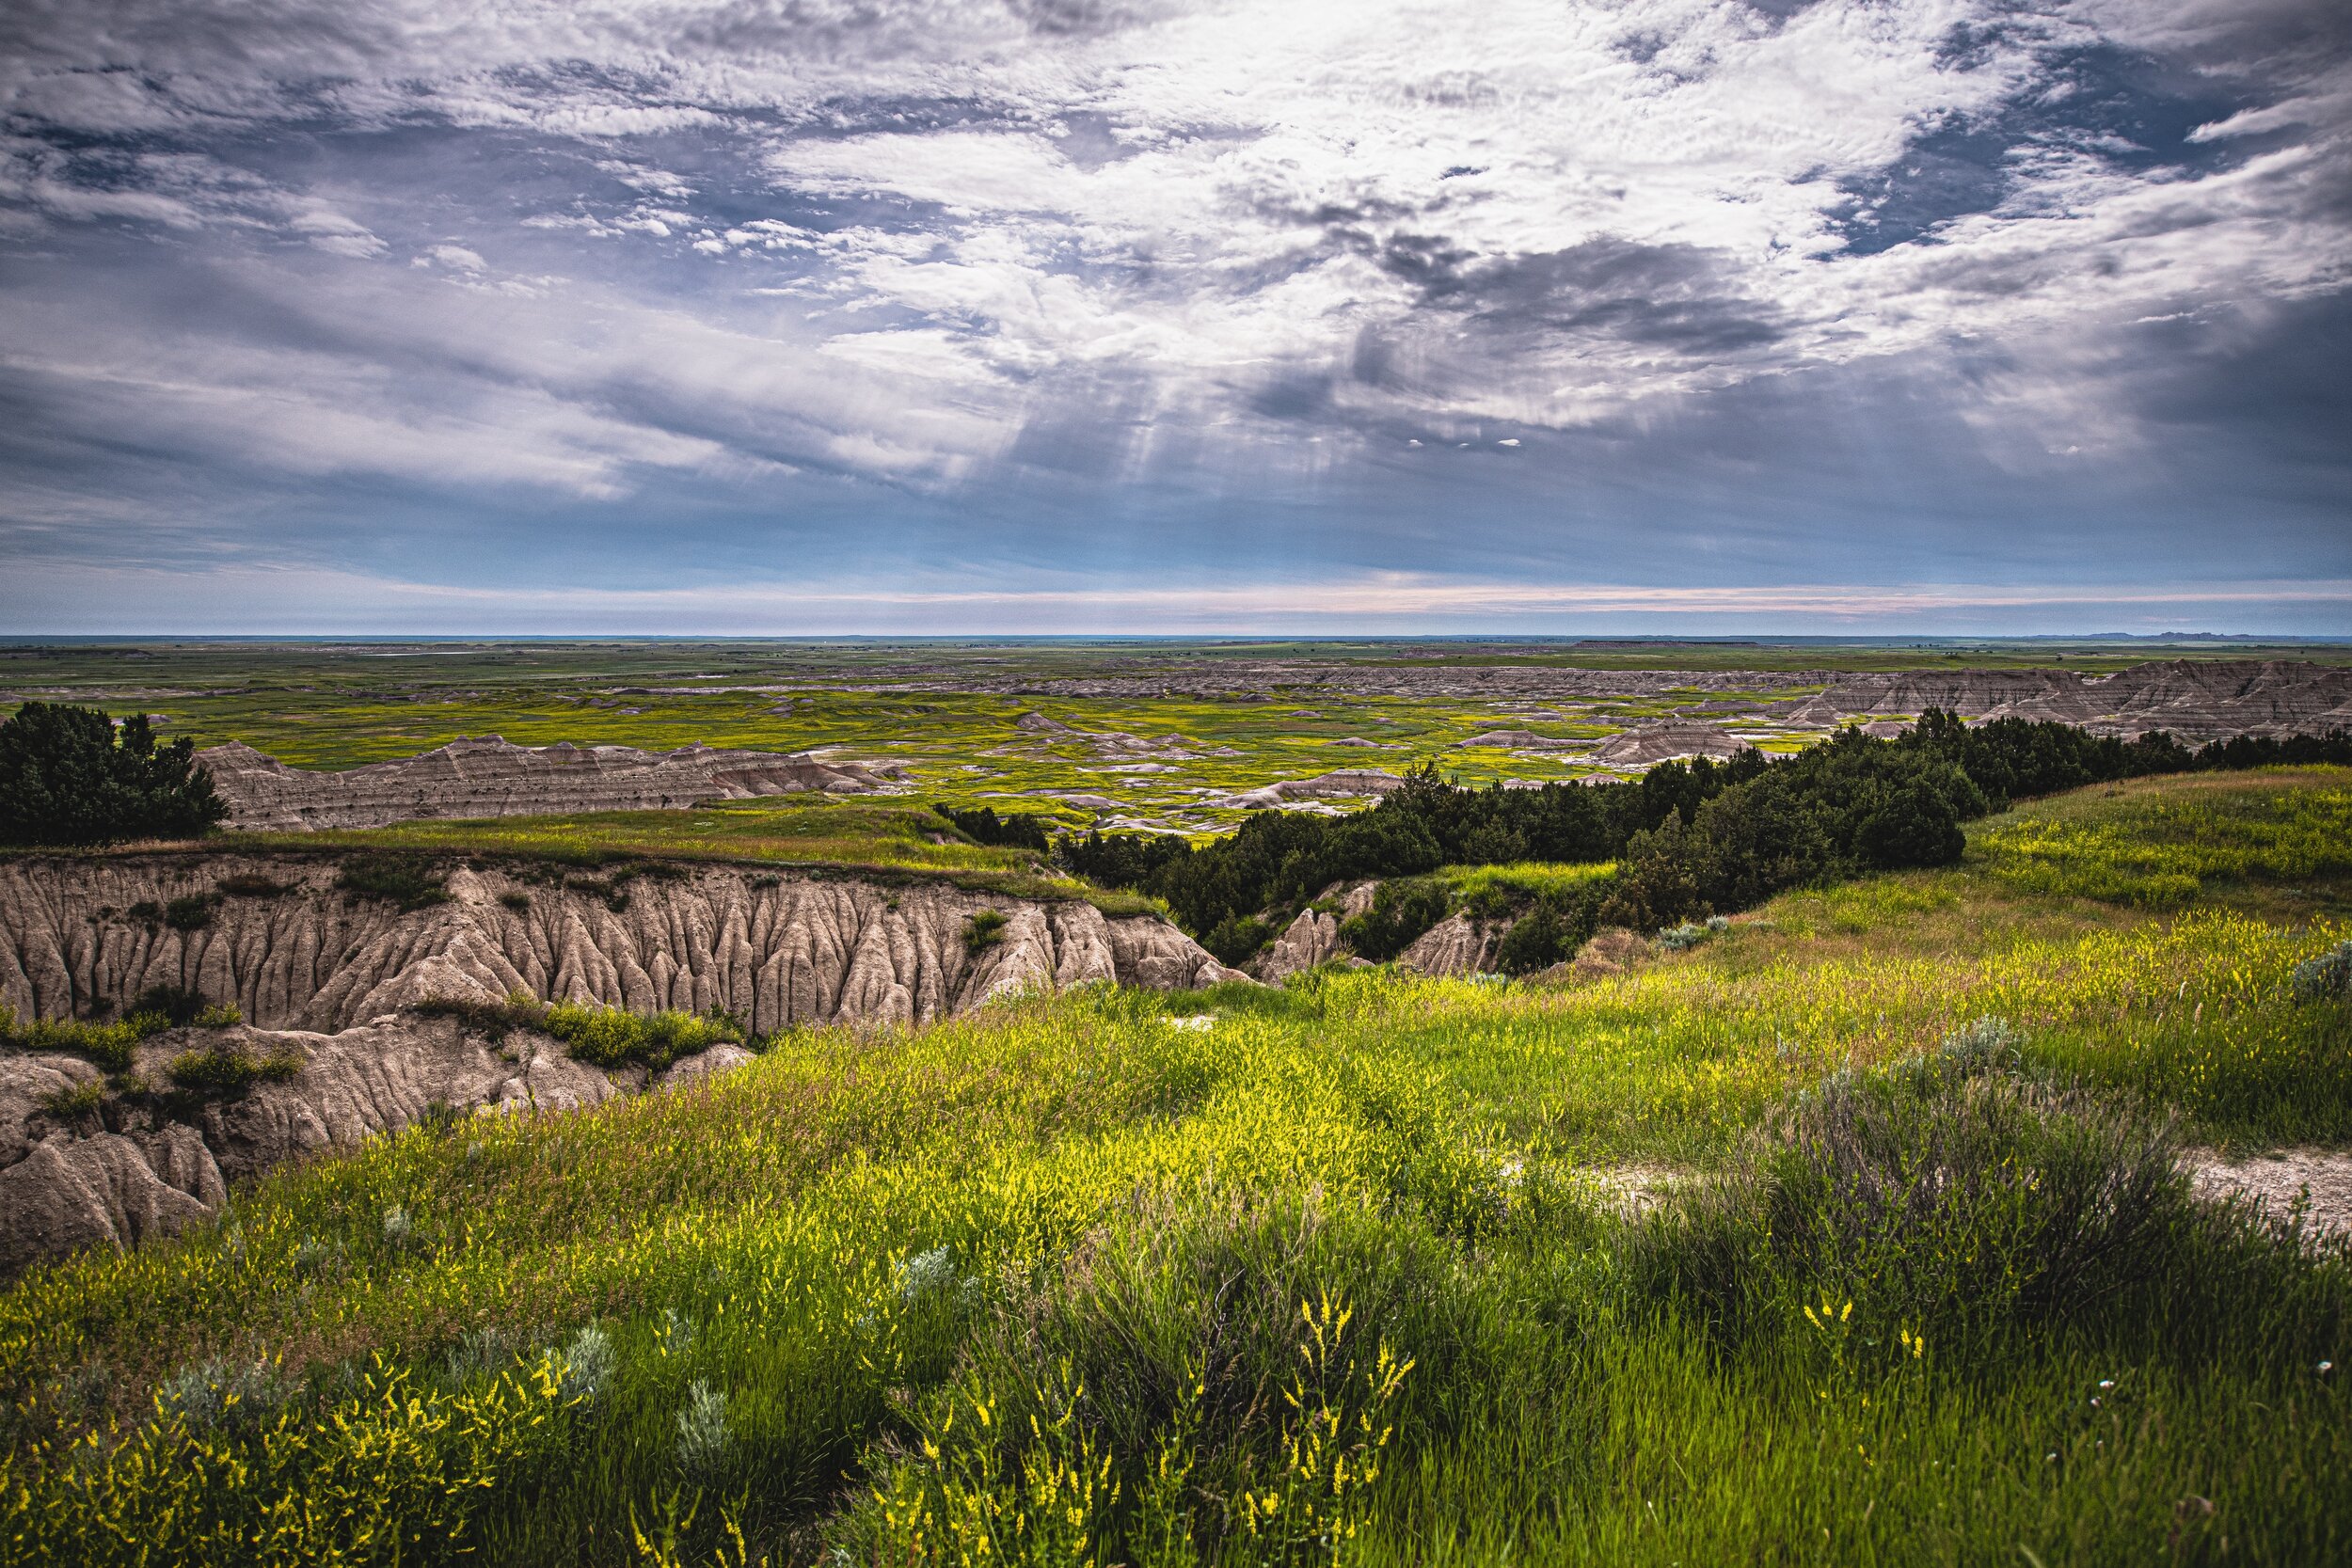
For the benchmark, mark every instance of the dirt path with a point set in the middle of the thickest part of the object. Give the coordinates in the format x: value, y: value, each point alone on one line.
x: 2276, y: 1181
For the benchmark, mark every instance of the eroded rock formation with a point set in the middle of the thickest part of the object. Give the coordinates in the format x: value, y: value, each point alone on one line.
x: 1658, y: 743
x: 2195, y: 700
x: 773, y: 950
x: 1457, y: 944
x: 486, y: 776
x: 326, y: 976
x: 1339, y: 784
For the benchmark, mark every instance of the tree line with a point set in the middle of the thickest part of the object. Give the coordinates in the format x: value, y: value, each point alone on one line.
x: 1692, y: 839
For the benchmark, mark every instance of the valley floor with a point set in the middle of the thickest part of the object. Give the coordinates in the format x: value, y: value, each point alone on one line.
x: 1861, y: 1231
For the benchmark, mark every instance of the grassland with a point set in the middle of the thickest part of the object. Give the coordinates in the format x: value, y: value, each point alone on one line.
x: 1353, y: 1272
x: 945, y: 710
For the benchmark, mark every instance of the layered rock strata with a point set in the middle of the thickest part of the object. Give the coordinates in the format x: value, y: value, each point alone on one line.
x: 326, y: 978
x: 486, y: 776
x: 2195, y: 700
x: 1339, y: 784
x: 773, y: 950
x: 1656, y: 743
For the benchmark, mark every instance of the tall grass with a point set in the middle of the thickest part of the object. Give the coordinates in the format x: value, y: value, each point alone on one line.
x: 2162, y: 847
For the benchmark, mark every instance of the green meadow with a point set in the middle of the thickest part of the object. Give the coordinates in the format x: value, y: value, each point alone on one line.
x: 1858, y: 1231
x: 945, y: 710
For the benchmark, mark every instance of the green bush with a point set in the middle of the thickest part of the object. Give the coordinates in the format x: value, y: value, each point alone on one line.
x: 1018, y: 830
x: 251, y: 884
x: 1237, y: 938
x: 177, y: 1007
x: 67, y: 777
x: 412, y: 881
x: 2326, y: 976
x: 230, y: 1068
x: 107, y: 1045
x: 78, y: 1101
x: 983, y: 930
x: 498, y: 1020
x: 615, y: 1037
x: 1401, y: 911
x: 1550, y: 933
x: 190, y: 913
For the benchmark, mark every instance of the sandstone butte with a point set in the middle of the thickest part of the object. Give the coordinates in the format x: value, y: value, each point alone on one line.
x: 330, y: 976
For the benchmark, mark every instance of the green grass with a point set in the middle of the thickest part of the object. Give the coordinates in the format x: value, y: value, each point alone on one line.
x: 2166, y: 843
x: 1341, y: 1275
x: 1519, y: 883
x: 325, y: 707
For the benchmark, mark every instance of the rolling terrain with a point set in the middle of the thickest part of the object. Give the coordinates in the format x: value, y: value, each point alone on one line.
x: 1888, y: 1222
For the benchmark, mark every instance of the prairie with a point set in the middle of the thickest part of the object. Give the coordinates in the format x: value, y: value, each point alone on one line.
x: 1856, y: 1232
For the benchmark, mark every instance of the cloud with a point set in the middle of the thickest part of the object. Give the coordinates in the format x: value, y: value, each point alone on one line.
x: 1056, y: 261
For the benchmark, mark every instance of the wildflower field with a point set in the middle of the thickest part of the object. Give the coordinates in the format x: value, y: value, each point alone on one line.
x: 1853, y: 1232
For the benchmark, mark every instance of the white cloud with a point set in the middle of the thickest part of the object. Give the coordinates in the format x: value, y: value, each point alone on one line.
x: 896, y: 237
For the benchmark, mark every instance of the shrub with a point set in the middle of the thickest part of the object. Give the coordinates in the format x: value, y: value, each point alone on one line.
x: 1237, y: 938
x: 66, y: 777
x: 2326, y: 976
x: 220, y: 1015
x: 230, y: 1070
x: 589, y: 1363
x: 1550, y: 933
x: 1954, y: 1190
x: 1916, y: 826
x: 79, y: 1100
x: 983, y: 930
x: 481, y: 1352
x: 1015, y: 830
x: 109, y: 1045
x: 177, y: 1005
x: 1401, y: 911
x: 221, y: 1395
x: 1236, y: 1386
x: 412, y: 881
x: 191, y: 913
x: 703, y: 1436
x: 251, y: 884
x: 1119, y: 859
x: 517, y: 900
x: 614, y: 1037
x: 498, y: 1020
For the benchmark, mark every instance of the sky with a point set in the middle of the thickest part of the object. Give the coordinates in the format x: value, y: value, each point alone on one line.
x: 821, y: 316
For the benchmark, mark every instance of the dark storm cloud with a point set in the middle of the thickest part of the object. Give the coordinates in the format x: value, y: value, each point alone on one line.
x: 1675, y: 297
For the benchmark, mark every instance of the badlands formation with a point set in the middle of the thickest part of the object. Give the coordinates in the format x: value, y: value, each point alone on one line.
x: 486, y: 776
x: 2197, y: 700
x: 327, y: 978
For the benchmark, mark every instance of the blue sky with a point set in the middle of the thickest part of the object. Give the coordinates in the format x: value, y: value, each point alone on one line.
x: 1179, y: 316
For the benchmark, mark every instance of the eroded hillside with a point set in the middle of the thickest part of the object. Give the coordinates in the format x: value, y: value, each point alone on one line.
x: 327, y: 977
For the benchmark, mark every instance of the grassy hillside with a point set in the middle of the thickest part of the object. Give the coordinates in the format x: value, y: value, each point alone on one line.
x: 1850, y: 1234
